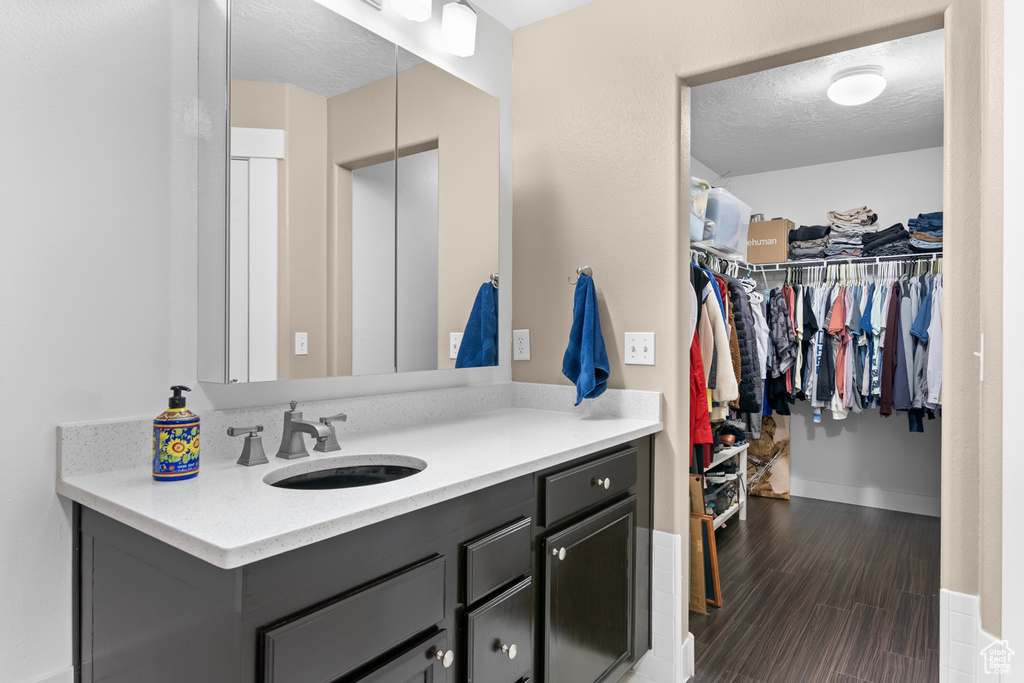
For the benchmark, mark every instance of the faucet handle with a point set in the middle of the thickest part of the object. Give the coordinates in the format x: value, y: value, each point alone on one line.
x: 252, y: 451
x: 330, y: 444
x: 247, y: 431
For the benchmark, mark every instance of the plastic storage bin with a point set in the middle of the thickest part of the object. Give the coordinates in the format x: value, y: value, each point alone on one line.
x: 732, y: 220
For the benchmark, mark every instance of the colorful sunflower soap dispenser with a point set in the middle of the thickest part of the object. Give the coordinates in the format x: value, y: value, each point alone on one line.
x: 176, y: 440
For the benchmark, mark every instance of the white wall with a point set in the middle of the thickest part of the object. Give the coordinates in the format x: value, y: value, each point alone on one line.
x: 896, y: 186
x: 98, y: 260
x: 866, y: 459
x: 1013, y: 332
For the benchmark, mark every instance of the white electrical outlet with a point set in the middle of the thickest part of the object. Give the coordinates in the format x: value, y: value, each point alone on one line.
x: 639, y: 348
x: 454, y: 344
x: 520, y: 345
x: 301, y: 344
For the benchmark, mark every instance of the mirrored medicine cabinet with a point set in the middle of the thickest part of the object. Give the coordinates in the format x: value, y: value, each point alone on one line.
x: 348, y: 198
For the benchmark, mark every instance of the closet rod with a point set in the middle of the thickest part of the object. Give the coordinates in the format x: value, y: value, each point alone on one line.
x: 763, y: 267
x: 785, y: 265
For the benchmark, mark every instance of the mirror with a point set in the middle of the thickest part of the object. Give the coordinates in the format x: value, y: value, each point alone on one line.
x: 361, y: 205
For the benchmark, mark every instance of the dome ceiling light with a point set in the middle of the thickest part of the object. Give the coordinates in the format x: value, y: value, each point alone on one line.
x: 857, y: 85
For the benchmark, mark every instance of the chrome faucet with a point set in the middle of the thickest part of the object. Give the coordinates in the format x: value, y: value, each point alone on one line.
x: 292, y: 444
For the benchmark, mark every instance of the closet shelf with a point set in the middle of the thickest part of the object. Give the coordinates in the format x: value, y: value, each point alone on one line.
x: 803, y: 263
x: 726, y: 454
x: 725, y: 516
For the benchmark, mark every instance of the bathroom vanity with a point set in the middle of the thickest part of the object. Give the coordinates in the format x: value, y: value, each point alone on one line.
x: 543, y: 575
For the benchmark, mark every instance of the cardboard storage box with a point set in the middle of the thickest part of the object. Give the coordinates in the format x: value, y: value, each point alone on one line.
x: 767, y: 241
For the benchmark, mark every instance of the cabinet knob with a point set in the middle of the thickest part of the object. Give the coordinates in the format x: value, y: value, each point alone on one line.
x: 606, y: 482
x: 446, y: 658
x: 559, y: 553
x: 510, y: 650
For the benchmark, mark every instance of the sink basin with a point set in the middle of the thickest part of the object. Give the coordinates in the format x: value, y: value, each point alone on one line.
x: 345, y: 472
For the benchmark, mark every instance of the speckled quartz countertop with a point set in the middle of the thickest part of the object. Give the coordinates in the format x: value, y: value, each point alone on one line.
x: 230, y: 517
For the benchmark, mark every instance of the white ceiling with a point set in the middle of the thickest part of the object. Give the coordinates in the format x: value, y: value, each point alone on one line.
x: 516, y: 13
x: 308, y: 45
x: 781, y: 118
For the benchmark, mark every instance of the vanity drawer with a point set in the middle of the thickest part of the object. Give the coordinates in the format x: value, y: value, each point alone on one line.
x: 497, y: 558
x: 331, y: 640
x: 581, y: 487
x: 506, y: 621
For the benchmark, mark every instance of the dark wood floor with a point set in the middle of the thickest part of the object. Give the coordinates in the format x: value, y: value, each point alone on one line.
x: 820, y: 592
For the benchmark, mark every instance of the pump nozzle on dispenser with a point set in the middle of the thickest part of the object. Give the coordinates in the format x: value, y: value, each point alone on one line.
x: 177, y: 401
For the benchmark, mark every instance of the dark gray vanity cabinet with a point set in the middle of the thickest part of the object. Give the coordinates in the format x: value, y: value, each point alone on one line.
x: 590, y: 596
x: 464, y: 591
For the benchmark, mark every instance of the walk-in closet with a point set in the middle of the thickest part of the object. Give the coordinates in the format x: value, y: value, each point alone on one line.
x: 816, y: 243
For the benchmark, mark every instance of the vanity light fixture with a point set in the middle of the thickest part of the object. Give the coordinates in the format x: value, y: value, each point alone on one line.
x: 413, y: 10
x: 856, y: 85
x: 458, y: 28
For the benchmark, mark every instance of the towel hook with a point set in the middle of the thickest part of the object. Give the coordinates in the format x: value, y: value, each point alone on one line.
x: 582, y: 270
x: 494, y: 280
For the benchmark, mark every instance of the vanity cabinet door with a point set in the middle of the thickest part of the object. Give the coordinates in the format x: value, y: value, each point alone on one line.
x: 499, y: 637
x: 590, y: 596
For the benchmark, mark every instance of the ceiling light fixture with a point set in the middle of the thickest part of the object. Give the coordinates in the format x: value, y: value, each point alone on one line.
x: 857, y: 85
x: 413, y: 10
x: 458, y: 28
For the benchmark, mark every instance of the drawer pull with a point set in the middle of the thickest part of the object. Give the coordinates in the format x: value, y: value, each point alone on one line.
x: 510, y: 650
x: 606, y: 482
x: 446, y: 658
x: 559, y: 553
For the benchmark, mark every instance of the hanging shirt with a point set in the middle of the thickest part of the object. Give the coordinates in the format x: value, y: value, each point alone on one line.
x: 700, y: 421
x: 889, y: 356
x: 934, y: 365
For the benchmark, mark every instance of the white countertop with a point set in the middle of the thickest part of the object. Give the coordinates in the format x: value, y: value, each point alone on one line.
x: 229, y: 517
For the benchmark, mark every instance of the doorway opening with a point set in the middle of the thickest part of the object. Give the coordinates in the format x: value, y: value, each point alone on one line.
x: 822, y: 478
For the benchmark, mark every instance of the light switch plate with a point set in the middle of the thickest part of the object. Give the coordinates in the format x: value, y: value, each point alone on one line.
x: 301, y: 344
x: 520, y: 345
x: 639, y: 348
x: 454, y: 344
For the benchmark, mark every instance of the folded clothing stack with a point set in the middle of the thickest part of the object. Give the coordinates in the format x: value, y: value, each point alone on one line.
x: 808, y: 242
x: 848, y: 229
x: 893, y: 241
x: 859, y: 220
x: 926, y: 233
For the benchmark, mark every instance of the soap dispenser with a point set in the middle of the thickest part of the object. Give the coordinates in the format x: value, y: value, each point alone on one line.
x: 176, y: 440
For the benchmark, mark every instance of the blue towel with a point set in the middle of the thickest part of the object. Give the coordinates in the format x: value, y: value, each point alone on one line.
x: 479, y: 345
x: 586, y: 361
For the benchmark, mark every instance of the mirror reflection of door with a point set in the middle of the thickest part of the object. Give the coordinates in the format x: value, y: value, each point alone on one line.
x: 252, y: 254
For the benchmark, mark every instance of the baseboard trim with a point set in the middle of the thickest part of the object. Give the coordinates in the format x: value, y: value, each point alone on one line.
x: 665, y: 663
x: 686, y: 654
x: 898, y: 501
x: 63, y: 676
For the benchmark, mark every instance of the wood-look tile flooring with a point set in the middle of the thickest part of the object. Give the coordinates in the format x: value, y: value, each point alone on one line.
x: 821, y: 592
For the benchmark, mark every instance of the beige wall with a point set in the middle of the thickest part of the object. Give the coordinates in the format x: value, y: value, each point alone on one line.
x: 599, y: 150
x: 302, y: 215
x: 991, y: 470
x: 436, y: 108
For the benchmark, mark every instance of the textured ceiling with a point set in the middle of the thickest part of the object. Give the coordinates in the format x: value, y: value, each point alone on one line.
x: 308, y: 45
x: 781, y: 118
x: 516, y: 13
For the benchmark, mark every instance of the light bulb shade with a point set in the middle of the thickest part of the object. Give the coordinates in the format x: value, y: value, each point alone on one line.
x: 858, y: 85
x: 413, y: 10
x: 458, y: 29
